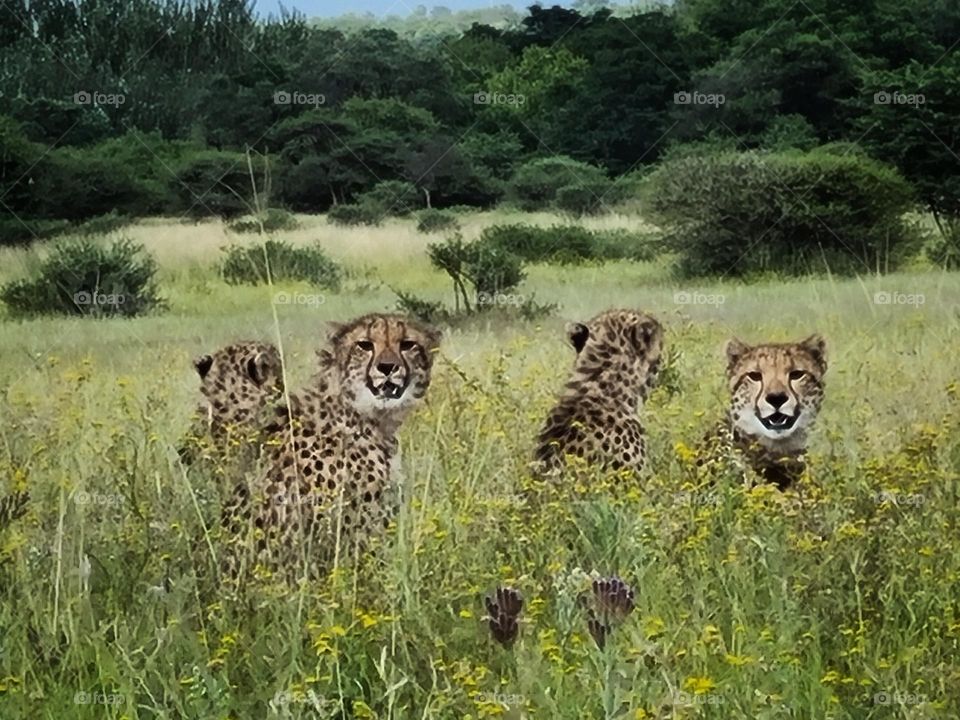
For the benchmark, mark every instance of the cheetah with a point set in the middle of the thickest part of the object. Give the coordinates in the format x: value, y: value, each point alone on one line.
x: 240, y: 383
x: 332, y: 450
x: 776, y: 390
x: 13, y: 507
x: 618, y: 357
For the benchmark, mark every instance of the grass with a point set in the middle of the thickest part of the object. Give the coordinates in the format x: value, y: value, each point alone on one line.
x: 834, y: 602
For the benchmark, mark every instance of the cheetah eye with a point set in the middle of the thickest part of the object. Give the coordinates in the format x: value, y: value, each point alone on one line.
x: 796, y: 374
x: 755, y: 376
x: 365, y: 345
x: 407, y: 345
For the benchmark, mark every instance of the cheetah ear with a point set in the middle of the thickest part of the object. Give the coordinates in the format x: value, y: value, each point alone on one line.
x: 258, y: 367
x: 203, y: 365
x: 335, y: 331
x: 434, y: 336
x: 578, y: 334
x: 736, y: 349
x: 817, y: 347
x: 644, y: 333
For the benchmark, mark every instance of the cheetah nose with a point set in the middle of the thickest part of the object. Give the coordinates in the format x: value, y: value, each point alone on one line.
x: 387, y: 368
x: 777, y: 399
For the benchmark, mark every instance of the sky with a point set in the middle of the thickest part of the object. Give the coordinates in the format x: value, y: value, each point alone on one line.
x: 332, y: 8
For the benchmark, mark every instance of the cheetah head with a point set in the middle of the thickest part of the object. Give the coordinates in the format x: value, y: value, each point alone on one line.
x: 239, y: 379
x: 620, y: 350
x: 383, y: 362
x: 776, y: 389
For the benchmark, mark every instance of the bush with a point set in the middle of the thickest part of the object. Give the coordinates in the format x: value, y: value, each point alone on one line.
x: 741, y: 213
x: 86, y: 278
x: 74, y: 184
x: 569, y: 243
x: 561, y: 243
x: 17, y: 231
x: 622, y: 244
x: 579, y: 200
x: 431, y: 221
x: 248, y: 264
x: 945, y: 249
x: 215, y: 183
x: 391, y: 198
x: 354, y: 215
x: 103, y: 224
x: 535, y: 184
x: 486, y: 268
x: 272, y: 220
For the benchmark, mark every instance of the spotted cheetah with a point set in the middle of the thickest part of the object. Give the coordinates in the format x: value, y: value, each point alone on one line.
x: 240, y: 383
x: 617, y: 362
x: 329, y: 479
x: 13, y: 507
x: 776, y: 390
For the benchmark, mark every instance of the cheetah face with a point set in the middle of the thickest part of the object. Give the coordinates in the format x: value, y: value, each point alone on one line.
x: 238, y: 379
x: 776, y: 389
x: 384, y: 361
x: 624, y: 345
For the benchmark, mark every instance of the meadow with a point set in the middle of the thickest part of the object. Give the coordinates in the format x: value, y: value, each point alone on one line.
x: 835, y: 600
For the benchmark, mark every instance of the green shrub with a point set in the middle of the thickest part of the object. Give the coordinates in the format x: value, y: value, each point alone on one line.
x: 945, y: 249
x: 429, y: 311
x: 75, y: 184
x: 486, y: 268
x: 561, y: 243
x: 83, y: 277
x: 217, y: 183
x: 103, y: 224
x: 249, y: 264
x: 354, y: 215
x: 580, y: 200
x: 272, y: 220
x: 569, y: 243
x: 431, y: 221
x: 535, y: 184
x: 15, y: 231
x: 623, y: 244
x: 391, y: 198
x: 741, y: 213
x: 18, y: 231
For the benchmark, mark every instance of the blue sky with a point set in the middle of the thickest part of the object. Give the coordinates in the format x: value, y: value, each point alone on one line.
x: 332, y: 8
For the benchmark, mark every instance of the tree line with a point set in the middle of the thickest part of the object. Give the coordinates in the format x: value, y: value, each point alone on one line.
x: 149, y: 106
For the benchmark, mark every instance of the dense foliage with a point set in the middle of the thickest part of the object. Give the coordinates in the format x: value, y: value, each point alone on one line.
x: 87, y: 278
x: 151, y: 108
x: 275, y: 260
x: 737, y: 213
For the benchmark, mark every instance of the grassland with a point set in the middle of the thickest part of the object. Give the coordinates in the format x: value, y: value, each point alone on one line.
x: 837, y: 601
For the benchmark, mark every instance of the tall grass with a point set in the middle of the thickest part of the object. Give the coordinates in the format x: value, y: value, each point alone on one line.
x: 837, y: 601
